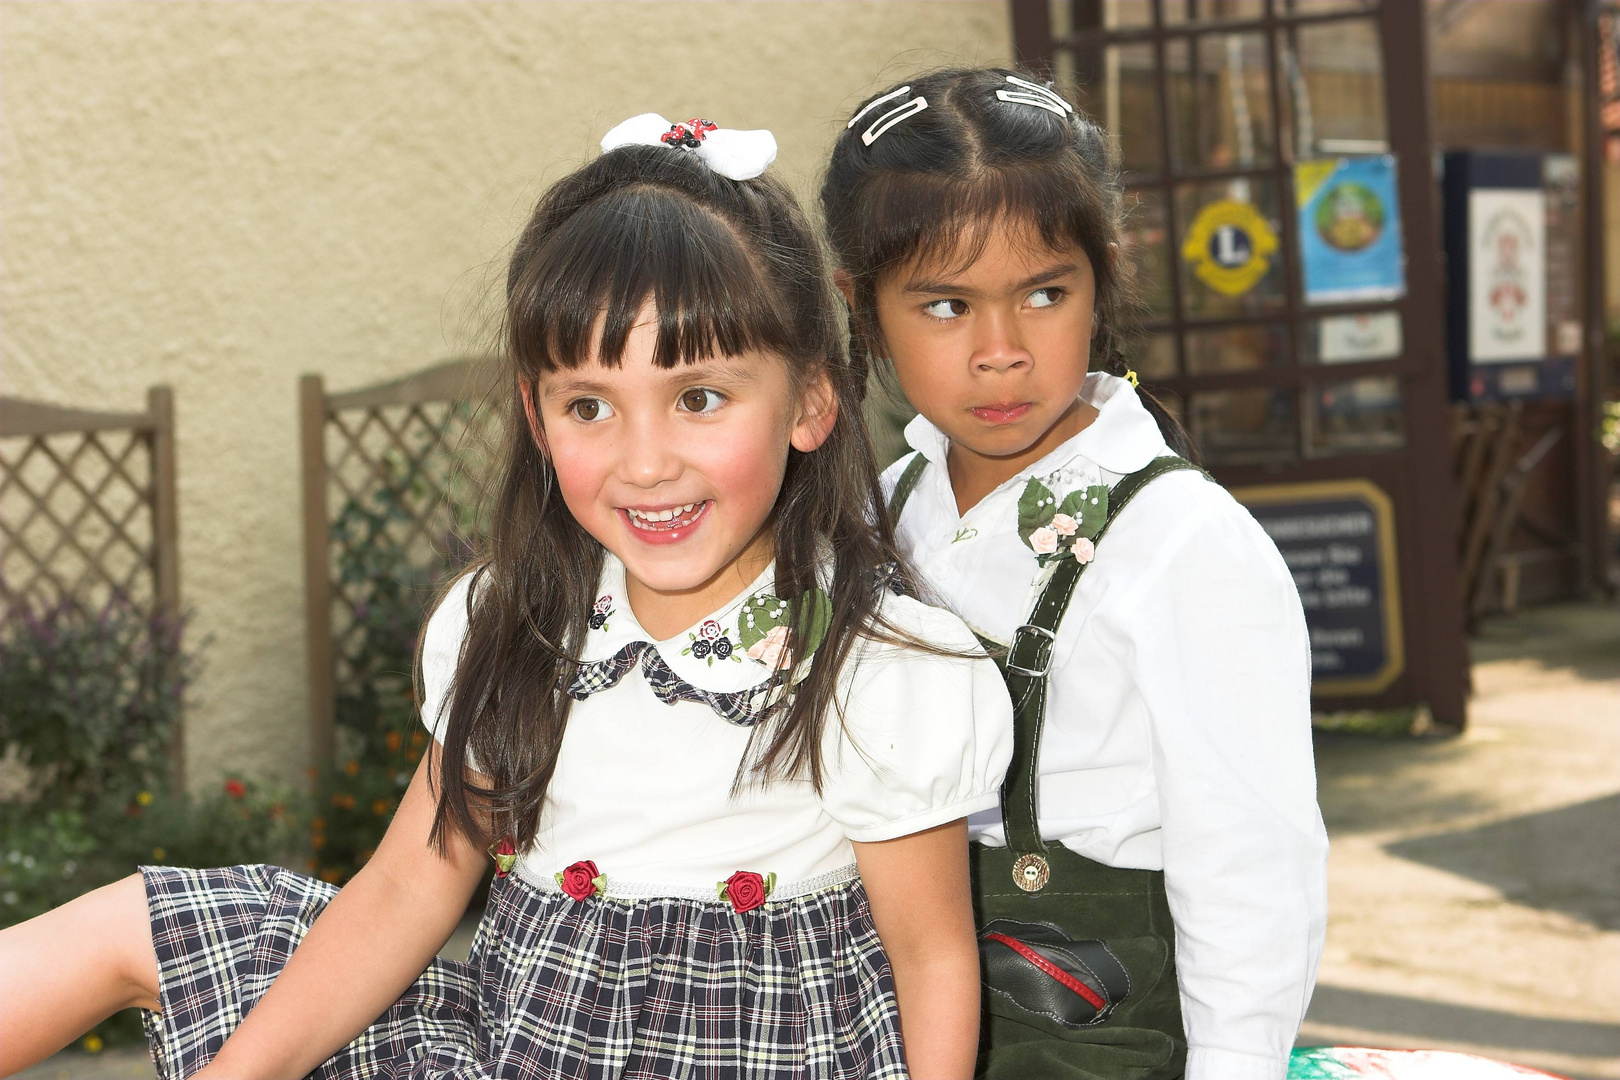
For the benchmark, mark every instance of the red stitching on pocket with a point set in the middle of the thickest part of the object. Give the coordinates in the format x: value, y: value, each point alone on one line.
x: 1047, y: 967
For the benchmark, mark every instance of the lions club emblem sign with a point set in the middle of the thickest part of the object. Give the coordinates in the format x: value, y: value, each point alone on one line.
x: 1229, y: 246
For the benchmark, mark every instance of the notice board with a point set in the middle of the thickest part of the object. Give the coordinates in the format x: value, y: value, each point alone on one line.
x: 1338, y: 539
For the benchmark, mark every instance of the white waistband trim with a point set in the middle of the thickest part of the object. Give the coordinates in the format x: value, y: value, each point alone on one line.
x: 620, y: 889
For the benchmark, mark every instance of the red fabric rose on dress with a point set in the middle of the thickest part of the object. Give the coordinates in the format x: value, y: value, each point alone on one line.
x: 581, y: 880
x: 746, y: 890
x: 504, y: 852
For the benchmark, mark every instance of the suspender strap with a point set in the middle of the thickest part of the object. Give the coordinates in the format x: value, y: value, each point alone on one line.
x: 905, y: 486
x: 1028, y: 661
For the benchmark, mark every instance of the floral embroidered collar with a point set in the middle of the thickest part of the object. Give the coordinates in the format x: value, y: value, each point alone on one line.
x: 1062, y: 499
x: 731, y: 661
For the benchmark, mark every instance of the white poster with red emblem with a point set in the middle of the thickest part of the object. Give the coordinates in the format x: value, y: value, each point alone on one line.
x: 1507, y: 275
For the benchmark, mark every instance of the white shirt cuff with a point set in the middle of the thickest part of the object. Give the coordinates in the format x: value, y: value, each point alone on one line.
x: 1207, y: 1063
x: 928, y: 819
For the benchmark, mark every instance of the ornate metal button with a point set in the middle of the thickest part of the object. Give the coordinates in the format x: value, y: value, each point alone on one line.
x: 1031, y: 873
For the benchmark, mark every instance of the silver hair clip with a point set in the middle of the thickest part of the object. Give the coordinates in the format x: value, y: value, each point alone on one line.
x: 874, y: 103
x: 1039, y: 96
x: 891, y: 118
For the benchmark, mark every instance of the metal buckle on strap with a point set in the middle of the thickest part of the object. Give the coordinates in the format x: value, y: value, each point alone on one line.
x: 1030, y: 673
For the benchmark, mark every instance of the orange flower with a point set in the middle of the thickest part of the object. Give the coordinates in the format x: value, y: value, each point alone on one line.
x: 352, y: 768
x: 380, y: 807
x: 412, y: 754
x: 417, y: 739
x: 317, y: 842
x: 318, y: 824
x: 343, y: 801
x: 392, y: 740
x: 332, y: 875
x: 310, y: 865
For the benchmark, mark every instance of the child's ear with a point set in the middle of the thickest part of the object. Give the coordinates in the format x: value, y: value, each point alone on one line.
x: 1113, y: 253
x: 532, y: 414
x: 846, y: 285
x: 818, y: 411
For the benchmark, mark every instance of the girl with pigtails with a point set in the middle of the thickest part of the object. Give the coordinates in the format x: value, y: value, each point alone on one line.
x: 1151, y: 892
x: 721, y: 759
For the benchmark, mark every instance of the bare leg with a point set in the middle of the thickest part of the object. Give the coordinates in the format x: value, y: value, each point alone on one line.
x: 67, y: 970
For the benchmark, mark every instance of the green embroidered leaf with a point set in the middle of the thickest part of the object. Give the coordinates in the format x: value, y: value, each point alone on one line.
x: 809, y: 613
x: 812, y: 617
x: 1093, y: 511
x: 1035, y: 509
x: 761, y: 614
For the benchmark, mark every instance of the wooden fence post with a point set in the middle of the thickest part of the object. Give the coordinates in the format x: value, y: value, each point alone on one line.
x: 317, y: 572
x: 166, y: 540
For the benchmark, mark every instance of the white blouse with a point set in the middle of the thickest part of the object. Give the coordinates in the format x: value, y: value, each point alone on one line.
x: 643, y: 784
x: 1177, y: 731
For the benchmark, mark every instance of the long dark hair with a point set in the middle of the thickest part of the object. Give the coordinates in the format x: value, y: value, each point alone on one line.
x: 730, y: 267
x: 930, y: 186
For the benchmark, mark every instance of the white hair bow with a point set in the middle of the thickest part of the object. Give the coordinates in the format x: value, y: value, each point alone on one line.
x: 738, y: 155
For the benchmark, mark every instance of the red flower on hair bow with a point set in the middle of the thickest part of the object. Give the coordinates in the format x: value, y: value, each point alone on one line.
x: 737, y: 155
x: 689, y: 134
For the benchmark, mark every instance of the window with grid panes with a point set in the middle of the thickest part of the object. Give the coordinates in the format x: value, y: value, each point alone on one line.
x: 1220, y: 109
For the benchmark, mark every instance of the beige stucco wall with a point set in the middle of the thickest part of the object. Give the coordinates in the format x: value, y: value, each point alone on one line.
x: 221, y: 196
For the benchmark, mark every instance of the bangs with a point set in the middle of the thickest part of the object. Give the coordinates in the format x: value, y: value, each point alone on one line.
x: 945, y: 222
x: 588, y: 284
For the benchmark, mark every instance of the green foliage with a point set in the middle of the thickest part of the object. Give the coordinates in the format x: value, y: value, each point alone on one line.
x: 380, y: 738
x: 89, y: 703
x: 89, y: 707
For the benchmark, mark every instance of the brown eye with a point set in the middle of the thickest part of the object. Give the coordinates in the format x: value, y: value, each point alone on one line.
x: 587, y: 408
x: 699, y: 400
x: 946, y: 309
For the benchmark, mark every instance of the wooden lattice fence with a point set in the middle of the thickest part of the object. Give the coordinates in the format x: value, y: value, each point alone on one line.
x: 87, y: 506
x: 89, y: 519
x: 393, y: 479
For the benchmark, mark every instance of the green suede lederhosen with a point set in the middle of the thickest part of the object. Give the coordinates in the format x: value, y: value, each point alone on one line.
x: 1079, y: 908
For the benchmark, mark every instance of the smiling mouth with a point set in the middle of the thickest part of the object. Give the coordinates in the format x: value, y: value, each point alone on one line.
x: 1002, y: 412
x: 668, y: 519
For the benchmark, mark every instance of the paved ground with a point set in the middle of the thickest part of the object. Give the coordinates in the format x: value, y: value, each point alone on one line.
x: 1475, y: 880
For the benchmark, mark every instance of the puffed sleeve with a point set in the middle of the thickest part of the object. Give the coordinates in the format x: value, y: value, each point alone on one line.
x: 925, y: 739
x: 441, y: 650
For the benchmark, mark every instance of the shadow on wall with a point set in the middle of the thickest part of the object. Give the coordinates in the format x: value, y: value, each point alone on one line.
x: 1564, y: 860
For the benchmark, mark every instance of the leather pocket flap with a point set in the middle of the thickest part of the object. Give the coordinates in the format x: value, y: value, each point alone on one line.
x: 1044, y: 971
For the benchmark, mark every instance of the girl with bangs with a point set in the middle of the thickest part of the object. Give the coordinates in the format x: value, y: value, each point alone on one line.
x: 721, y: 759
x: 1151, y: 892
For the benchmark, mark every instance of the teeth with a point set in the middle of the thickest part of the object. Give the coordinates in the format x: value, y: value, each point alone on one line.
x: 662, y: 515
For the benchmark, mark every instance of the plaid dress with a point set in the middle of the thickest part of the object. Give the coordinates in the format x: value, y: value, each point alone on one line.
x: 553, y: 988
